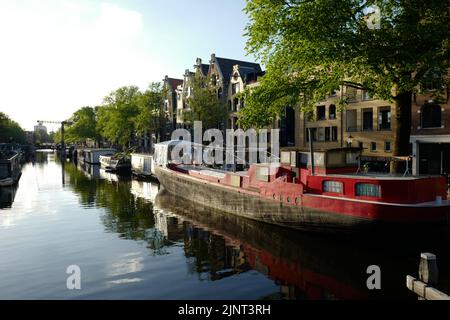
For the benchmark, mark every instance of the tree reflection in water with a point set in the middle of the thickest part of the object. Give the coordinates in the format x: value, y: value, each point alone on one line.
x: 218, y: 246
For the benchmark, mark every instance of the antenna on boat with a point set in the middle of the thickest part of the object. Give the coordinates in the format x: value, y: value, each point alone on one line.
x: 311, y: 151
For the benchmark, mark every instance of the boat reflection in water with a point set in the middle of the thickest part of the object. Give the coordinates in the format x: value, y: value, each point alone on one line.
x: 92, y: 171
x: 7, y: 195
x: 144, y: 190
x: 304, y: 266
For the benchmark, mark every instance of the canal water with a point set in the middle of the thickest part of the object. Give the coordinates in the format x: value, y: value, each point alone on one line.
x: 131, y: 240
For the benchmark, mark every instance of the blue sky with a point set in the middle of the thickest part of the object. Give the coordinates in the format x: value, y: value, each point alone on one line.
x: 59, y: 55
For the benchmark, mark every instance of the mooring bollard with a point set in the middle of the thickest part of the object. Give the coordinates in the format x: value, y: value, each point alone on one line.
x: 428, y: 270
x: 429, y: 277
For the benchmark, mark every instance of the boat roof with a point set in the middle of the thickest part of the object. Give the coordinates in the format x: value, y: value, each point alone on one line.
x: 375, y: 176
x: 98, y: 149
x: 176, y: 142
x: 8, y: 155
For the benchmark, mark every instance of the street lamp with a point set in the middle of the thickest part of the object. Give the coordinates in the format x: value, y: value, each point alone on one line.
x: 350, y: 141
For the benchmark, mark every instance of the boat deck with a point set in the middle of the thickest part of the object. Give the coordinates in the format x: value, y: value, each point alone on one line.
x: 216, y: 173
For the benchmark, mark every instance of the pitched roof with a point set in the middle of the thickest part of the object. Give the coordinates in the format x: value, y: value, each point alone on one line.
x: 174, y: 83
x: 226, y: 65
x: 204, y: 68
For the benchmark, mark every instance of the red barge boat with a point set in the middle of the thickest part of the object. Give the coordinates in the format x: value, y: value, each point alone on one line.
x: 330, y: 195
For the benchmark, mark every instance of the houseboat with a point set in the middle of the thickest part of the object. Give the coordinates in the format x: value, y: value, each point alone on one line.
x: 141, y: 165
x: 324, y: 191
x: 92, y: 156
x: 10, y: 168
x: 115, y: 163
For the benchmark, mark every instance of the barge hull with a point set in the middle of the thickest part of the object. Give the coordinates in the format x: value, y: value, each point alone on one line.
x: 255, y: 207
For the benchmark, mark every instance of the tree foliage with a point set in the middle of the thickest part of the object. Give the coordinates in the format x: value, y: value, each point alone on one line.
x: 204, y: 104
x: 312, y: 47
x: 83, y: 125
x: 10, y: 131
x: 117, y: 118
x: 151, y: 111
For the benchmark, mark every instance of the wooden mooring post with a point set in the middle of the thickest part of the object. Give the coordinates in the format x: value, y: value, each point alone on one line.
x: 429, y: 276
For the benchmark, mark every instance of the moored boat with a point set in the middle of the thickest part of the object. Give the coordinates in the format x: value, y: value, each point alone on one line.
x: 141, y: 165
x: 115, y: 163
x: 10, y: 168
x: 92, y: 156
x: 330, y: 195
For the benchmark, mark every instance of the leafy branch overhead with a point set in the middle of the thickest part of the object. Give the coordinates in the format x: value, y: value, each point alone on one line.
x: 311, y: 48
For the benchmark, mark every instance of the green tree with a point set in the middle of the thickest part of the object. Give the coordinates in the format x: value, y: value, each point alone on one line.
x: 311, y: 48
x: 83, y: 127
x: 152, y: 117
x: 204, y: 104
x: 10, y: 131
x: 117, y: 118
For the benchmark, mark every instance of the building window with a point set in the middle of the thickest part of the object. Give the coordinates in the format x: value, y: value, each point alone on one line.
x: 334, y: 133
x: 321, y: 113
x: 333, y: 187
x: 166, y: 105
x: 384, y: 118
x: 387, y: 146
x: 373, y: 146
x: 351, y: 93
x: 235, y: 104
x: 432, y: 81
x: 352, y: 121
x: 361, y: 145
x: 368, y: 190
x: 366, y: 95
x: 219, y: 93
x: 235, y: 88
x: 230, y: 107
x: 321, y: 134
x: 332, y: 111
x: 431, y: 116
x: 367, y: 120
x: 327, y: 134
x: 214, y: 80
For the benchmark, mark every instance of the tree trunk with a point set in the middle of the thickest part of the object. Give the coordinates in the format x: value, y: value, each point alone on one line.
x: 402, y: 131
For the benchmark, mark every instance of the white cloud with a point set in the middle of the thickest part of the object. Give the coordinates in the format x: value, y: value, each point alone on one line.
x: 56, y: 56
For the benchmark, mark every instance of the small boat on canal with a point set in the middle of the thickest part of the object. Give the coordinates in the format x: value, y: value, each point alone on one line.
x: 92, y: 156
x: 115, y: 163
x: 326, y: 194
x: 10, y: 168
x: 141, y: 166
